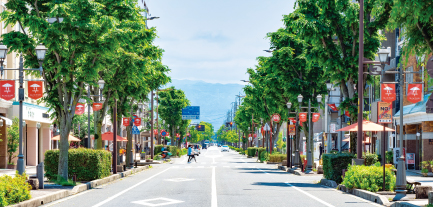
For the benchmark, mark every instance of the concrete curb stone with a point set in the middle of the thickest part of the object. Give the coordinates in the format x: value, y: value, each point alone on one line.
x: 329, y: 183
x: 373, y: 197
x: 38, y: 201
x: 403, y: 204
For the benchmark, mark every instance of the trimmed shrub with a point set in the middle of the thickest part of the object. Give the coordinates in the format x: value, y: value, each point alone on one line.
x: 369, y: 178
x: 333, y: 165
x: 157, y: 149
x: 264, y: 156
x: 260, y: 150
x: 87, y: 164
x: 252, y: 151
x: 173, y: 150
x: 277, y: 158
x: 14, y: 189
x: 370, y: 158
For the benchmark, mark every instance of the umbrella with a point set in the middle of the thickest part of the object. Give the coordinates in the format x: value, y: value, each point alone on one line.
x: 109, y: 137
x: 367, y: 126
x: 70, y: 138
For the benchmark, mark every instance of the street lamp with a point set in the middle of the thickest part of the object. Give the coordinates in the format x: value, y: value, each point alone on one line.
x: 288, y: 140
x: 384, y: 54
x: 300, y: 97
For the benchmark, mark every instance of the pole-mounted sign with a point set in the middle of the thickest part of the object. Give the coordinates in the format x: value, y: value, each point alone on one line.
x: 384, y: 112
x: 35, y: 89
x: 79, y: 109
x: 276, y: 118
x: 316, y: 117
x: 125, y: 121
x: 302, y: 117
x: 388, y: 92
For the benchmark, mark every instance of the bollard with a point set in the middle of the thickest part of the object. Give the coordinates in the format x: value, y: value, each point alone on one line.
x: 40, y: 174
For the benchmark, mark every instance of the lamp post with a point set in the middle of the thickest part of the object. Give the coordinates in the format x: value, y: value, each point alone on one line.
x: 40, y: 54
x: 288, y: 140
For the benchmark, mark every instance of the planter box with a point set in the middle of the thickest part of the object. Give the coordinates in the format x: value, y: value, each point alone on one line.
x: 12, y: 167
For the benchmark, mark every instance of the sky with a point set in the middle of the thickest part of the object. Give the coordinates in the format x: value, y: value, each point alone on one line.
x: 215, y: 41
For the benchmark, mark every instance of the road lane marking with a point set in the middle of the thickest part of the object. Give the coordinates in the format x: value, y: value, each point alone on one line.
x: 309, y: 195
x: 226, y: 166
x: 237, y: 166
x: 214, y: 193
x: 148, y: 202
x: 128, y: 189
x: 200, y: 167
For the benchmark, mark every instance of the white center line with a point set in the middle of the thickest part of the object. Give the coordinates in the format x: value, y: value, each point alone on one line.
x: 214, y: 193
x: 311, y: 196
x: 128, y: 189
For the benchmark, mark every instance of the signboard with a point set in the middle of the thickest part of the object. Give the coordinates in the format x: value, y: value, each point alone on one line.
x: 397, y: 154
x: 316, y: 117
x: 79, y: 109
x: 410, y: 158
x: 384, y: 112
x: 7, y: 91
x: 97, y: 106
x: 302, y: 117
x: 35, y: 89
x: 331, y: 128
x: 414, y: 93
x: 135, y: 130
x: 191, y: 112
x: 292, y: 130
x: 125, y: 121
x: 388, y: 92
x: 163, y: 133
x: 276, y: 118
x: 137, y: 121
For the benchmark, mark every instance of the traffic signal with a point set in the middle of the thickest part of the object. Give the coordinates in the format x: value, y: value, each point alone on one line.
x: 200, y: 128
x: 231, y: 123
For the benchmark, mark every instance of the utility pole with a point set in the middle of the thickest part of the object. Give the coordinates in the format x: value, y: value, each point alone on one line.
x: 151, y: 125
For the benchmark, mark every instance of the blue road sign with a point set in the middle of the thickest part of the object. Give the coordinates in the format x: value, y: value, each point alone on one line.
x: 163, y: 133
x: 191, y: 110
x: 135, y: 130
x: 185, y: 117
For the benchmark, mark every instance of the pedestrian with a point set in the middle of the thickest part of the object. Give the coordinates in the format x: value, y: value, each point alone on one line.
x: 321, y: 151
x: 190, y: 154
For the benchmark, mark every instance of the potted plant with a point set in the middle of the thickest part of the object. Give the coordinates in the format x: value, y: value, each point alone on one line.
x: 13, y: 139
x: 425, y: 167
x: 424, y: 172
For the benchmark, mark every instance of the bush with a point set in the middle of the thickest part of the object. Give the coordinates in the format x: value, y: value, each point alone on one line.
x: 87, y: 164
x: 173, y: 150
x: 369, y: 178
x: 389, y: 157
x: 264, y: 156
x: 260, y: 150
x: 157, y: 149
x: 333, y: 165
x: 277, y: 158
x: 370, y: 158
x: 252, y: 151
x: 14, y: 189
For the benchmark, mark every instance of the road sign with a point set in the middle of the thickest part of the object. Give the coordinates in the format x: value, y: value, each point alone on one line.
x: 384, y: 112
x: 292, y: 130
x: 267, y: 128
x: 163, y: 133
x: 276, y: 118
x: 135, y: 130
x: 186, y: 117
x: 191, y: 110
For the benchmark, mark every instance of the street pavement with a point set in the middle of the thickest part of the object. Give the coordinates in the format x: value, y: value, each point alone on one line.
x: 217, y: 179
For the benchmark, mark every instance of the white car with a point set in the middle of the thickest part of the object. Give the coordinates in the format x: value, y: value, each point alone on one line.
x: 225, y: 148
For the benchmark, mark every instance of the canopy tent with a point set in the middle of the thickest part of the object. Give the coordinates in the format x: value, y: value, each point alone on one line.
x: 70, y: 138
x: 367, y: 126
x: 109, y: 137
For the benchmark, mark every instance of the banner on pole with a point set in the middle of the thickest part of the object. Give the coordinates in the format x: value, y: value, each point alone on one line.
x: 414, y: 93
x: 384, y: 112
x: 302, y: 117
x: 316, y: 117
x: 137, y: 121
x: 7, y: 91
x: 388, y: 92
x: 35, y: 89
x: 125, y: 121
x: 97, y: 106
x: 79, y: 109
x: 292, y: 130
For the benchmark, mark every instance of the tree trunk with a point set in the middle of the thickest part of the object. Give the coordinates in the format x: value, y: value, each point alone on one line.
x: 128, y: 144
x: 172, y: 136
x: 65, y: 125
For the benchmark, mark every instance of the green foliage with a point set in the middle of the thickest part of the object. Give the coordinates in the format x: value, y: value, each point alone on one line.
x: 333, y: 165
x: 80, y: 126
x: 389, y: 157
x: 252, y: 151
x: 14, y: 189
x: 264, y: 156
x: 173, y: 150
x: 369, y: 178
x: 61, y: 181
x: 86, y: 164
x: 370, y: 158
x: 13, y: 139
x: 157, y: 149
x: 277, y: 158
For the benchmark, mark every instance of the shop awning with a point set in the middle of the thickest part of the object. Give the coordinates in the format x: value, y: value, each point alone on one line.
x: 109, y: 137
x: 70, y: 138
x: 367, y: 126
x: 8, y: 121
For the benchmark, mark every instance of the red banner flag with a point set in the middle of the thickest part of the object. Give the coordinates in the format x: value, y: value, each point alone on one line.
x: 302, y: 117
x: 177, y: 135
x: 316, y: 117
x: 97, y: 106
x: 7, y: 91
x: 79, y: 108
x: 414, y: 93
x: 155, y: 131
x: 137, y: 121
x: 333, y: 107
x: 388, y: 92
x: 125, y: 121
x: 35, y: 89
x: 292, y: 120
x: 347, y: 113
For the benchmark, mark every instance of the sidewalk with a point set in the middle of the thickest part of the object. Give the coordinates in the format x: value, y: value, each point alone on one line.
x: 30, y: 170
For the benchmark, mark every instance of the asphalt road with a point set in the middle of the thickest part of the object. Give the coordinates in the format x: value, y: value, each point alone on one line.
x: 217, y: 179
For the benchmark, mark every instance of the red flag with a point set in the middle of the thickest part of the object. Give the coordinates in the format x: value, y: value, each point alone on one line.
x: 177, y: 135
x: 97, y: 106
x: 79, y: 108
x: 414, y: 93
x: 347, y: 113
x: 292, y: 120
x: 35, y: 89
x: 333, y: 107
x: 7, y: 91
x: 137, y: 121
x: 316, y: 117
x: 388, y: 92
x: 302, y: 117
x: 125, y: 121
x: 155, y: 131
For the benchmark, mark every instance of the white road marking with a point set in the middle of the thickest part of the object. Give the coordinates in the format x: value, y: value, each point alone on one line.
x: 226, y: 166
x: 214, y: 191
x: 188, y: 166
x: 200, y: 167
x: 148, y: 202
x: 179, y: 179
x: 203, y: 163
x: 309, y: 195
x: 237, y: 166
x: 128, y: 189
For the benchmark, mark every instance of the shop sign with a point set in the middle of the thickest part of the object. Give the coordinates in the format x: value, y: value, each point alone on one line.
x: 384, y: 112
x: 7, y: 89
x: 79, y: 108
x: 388, y: 92
x: 35, y: 89
x: 414, y: 93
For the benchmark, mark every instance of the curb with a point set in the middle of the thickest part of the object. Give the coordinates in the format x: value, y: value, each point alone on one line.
x: 367, y: 195
x: 38, y: 201
x: 403, y: 204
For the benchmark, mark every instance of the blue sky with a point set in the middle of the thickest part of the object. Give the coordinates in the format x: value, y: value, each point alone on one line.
x: 215, y: 41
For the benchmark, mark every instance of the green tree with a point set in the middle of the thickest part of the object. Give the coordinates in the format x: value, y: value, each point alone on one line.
x: 80, y: 127
x: 13, y: 134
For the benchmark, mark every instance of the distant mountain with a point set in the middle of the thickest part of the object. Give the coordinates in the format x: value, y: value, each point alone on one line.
x: 214, y: 99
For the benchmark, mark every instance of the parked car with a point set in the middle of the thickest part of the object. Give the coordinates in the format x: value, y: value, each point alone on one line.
x: 197, y: 149
x: 225, y: 148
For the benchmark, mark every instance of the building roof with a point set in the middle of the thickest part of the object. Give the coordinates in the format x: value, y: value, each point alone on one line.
x: 414, y: 108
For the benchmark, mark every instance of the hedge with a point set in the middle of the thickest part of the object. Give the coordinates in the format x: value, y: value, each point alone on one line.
x: 277, y: 158
x: 333, y: 165
x: 264, y: 156
x: 86, y: 164
x: 252, y: 151
x: 173, y: 150
x: 14, y: 189
x: 370, y: 158
x: 369, y: 178
x: 157, y: 149
x: 260, y: 150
